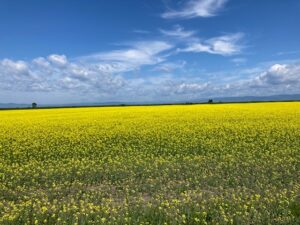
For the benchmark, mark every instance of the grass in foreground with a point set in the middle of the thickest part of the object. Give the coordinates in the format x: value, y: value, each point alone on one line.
x: 199, y: 164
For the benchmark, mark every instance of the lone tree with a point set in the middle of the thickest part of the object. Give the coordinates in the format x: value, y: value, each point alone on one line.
x: 210, y: 101
x: 34, y: 105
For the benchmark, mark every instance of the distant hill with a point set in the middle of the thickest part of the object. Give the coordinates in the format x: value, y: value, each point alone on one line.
x: 258, y: 98
x: 14, y: 105
x: 294, y: 97
x: 24, y: 105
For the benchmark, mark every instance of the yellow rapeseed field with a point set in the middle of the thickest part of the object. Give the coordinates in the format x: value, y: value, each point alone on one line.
x: 192, y: 164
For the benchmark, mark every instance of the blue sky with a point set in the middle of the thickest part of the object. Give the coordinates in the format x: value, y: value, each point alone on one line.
x: 64, y: 51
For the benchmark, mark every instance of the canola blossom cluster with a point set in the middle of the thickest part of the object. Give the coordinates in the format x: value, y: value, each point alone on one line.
x: 168, y: 165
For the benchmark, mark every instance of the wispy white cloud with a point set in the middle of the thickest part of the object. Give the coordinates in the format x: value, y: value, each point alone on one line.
x: 239, y: 61
x: 288, y: 53
x: 196, y: 8
x: 178, y: 32
x: 169, y: 67
x: 225, y: 45
x: 139, y: 54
